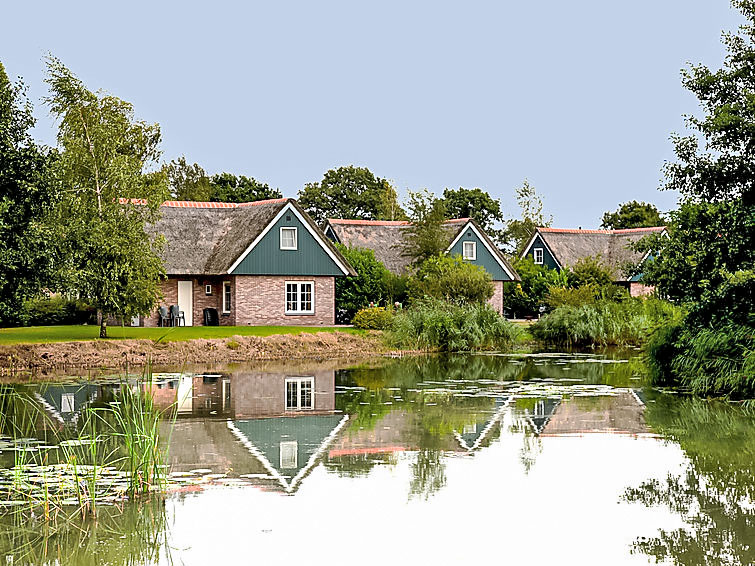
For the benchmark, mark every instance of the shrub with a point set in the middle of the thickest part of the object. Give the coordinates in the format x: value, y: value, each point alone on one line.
x: 369, y: 286
x: 58, y: 310
x: 526, y: 297
x: 604, y: 323
x: 432, y: 324
x: 589, y: 271
x: 451, y: 279
x: 565, y: 296
x: 373, y: 318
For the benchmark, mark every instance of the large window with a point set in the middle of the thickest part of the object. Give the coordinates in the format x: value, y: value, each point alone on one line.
x: 470, y: 250
x: 226, y: 297
x: 538, y: 255
x: 299, y: 393
x: 288, y: 239
x: 300, y: 297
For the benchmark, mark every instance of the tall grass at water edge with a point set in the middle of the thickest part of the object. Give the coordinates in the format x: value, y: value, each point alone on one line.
x: 605, y: 323
x: 441, y: 326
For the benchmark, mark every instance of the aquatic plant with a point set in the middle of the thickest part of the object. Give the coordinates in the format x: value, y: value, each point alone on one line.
x: 438, y: 325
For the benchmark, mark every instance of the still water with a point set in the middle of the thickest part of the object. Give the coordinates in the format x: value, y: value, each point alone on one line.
x: 540, y: 459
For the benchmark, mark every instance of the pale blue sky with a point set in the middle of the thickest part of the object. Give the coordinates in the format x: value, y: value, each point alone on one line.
x: 578, y: 97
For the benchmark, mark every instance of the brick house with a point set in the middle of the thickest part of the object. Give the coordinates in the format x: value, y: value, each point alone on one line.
x: 257, y: 263
x: 465, y: 238
x: 559, y: 248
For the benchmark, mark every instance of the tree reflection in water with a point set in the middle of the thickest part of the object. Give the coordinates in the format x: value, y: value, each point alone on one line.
x: 715, y: 495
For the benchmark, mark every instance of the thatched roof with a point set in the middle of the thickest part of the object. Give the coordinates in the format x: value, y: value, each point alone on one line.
x: 206, y: 238
x: 387, y: 238
x: 611, y: 247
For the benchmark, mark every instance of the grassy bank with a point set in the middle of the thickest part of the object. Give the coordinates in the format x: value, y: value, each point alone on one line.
x: 74, y: 333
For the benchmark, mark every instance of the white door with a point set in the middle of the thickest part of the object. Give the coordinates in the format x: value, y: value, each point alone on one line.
x: 186, y: 301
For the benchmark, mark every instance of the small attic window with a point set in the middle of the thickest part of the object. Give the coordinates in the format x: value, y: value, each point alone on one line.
x: 288, y: 238
x: 470, y: 250
x: 288, y: 218
x: 538, y: 256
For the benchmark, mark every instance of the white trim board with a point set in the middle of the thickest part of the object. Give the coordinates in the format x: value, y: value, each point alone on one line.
x: 488, y: 427
x: 484, y: 241
x: 288, y: 207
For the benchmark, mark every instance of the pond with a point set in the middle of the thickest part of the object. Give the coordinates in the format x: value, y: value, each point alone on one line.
x: 543, y: 458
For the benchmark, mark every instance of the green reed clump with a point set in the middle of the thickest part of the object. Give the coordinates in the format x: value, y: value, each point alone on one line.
x: 604, y: 323
x: 438, y: 325
x: 709, y: 361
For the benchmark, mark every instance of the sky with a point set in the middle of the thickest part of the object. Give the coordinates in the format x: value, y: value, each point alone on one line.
x: 578, y: 97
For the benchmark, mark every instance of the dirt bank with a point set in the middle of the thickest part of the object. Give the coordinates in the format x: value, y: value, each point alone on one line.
x: 122, y: 353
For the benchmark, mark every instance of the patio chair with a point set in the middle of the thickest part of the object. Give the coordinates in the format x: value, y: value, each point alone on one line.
x: 176, y: 316
x: 164, y: 316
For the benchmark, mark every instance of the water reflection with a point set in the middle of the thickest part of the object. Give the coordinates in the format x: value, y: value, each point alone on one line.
x: 556, y: 440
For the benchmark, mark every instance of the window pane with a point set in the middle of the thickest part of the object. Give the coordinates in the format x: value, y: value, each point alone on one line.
x: 291, y: 390
x: 289, y: 452
x: 306, y: 296
x: 305, y: 391
x: 288, y: 237
x: 292, y: 297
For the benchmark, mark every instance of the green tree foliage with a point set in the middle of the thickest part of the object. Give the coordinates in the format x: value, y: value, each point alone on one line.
x: 451, y: 279
x: 105, y: 155
x: 188, y: 182
x: 632, y: 214
x: 28, y: 195
x: 369, y: 286
x: 589, y: 271
x: 426, y: 237
x: 708, y: 261
x: 476, y: 204
x: 519, y: 231
x: 526, y: 297
x: 227, y: 187
x: 351, y: 192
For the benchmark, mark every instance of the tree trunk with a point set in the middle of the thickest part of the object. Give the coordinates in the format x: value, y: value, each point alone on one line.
x: 103, y: 325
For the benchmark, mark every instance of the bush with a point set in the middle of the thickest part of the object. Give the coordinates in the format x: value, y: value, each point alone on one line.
x: 565, y: 296
x: 373, y: 318
x: 526, y: 297
x: 451, y: 279
x: 604, y: 323
x: 708, y: 361
x: 590, y: 271
x: 369, y: 286
x: 58, y: 310
x: 438, y: 325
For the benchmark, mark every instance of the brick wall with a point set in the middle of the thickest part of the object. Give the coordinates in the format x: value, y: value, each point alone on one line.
x: 260, y: 300
x: 496, y: 301
x: 640, y: 290
x: 169, y: 290
x: 262, y: 394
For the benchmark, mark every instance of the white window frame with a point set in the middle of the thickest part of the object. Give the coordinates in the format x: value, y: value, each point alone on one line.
x: 292, y: 449
x: 298, y: 381
x: 535, y: 254
x: 68, y: 403
x: 296, y: 238
x: 298, y: 297
x: 226, y: 306
x: 208, y: 290
x: 473, y: 255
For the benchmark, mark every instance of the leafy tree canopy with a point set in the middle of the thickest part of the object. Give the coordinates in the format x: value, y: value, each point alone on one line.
x: 451, y: 279
x: 426, y: 236
x: 188, y: 182
x: 526, y: 297
x: 632, y: 214
x: 227, y: 187
x: 477, y: 204
x: 105, y: 156
x: 351, y: 192
x: 520, y: 230
x: 28, y: 194
x: 369, y: 286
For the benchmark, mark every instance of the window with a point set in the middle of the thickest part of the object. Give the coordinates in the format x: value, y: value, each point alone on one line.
x: 289, y: 452
x: 208, y: 289
x: 299, y: 393
x: 538, y: 255
x: 470, y: 250
x: 67, y: 403
x: 226, y: 297
x: 300, y: 297
x: 288, y: 238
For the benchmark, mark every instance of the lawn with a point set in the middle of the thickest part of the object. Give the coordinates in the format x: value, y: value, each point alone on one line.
x: 44, y: 334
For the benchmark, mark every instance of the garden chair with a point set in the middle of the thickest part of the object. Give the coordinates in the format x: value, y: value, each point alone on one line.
x: 164, y: 316
x: 176, y: 316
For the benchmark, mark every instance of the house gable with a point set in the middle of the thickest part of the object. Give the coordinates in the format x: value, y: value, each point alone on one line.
x: 312, y: 256
x: 485, y: 256
x: 548, y: 260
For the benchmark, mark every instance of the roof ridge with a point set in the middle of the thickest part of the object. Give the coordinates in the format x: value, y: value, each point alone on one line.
x: 208, y: 204
x: 608, y: 232
x: 358, y: 221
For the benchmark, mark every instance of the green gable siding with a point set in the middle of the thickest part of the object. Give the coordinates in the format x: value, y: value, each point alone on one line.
x: 484, y: 257
x: 268, y: 259
x: 548, y: 260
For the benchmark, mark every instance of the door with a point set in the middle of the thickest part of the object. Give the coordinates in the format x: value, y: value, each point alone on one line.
x: 186, y: 301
